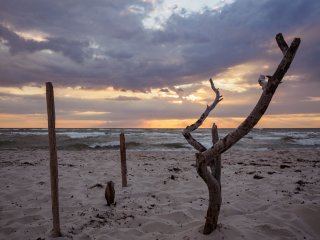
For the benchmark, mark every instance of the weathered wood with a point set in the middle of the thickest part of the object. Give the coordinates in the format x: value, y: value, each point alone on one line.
x: 110, y: 193
x: 123, y: 159
x: 211, y: 179
x: 216, y: 163
x: 186, y: 132
x: 260, y: 108
x: 281, y: 43
x: 214, y: 195
x: 53, y: 160
x: 212, y: 156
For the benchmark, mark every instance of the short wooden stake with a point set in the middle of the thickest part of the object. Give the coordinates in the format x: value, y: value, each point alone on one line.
x: 53, y: 160
x: 110, y: 193
x: 123, y: 159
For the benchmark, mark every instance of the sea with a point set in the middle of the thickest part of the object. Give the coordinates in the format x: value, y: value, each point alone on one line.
x: 154, y: 139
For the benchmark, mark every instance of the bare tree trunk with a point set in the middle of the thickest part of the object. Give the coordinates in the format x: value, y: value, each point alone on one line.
x: 53, y: 160
x: 214, y: 195
x: 212, y: 157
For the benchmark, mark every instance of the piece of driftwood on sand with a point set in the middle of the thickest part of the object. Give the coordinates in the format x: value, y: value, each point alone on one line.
x: 123, y: 157
x: 53, y: 160
x: 211, y: 157
x: 110, y: 193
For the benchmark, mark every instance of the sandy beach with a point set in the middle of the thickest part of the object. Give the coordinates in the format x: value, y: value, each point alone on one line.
x: 266, y: 195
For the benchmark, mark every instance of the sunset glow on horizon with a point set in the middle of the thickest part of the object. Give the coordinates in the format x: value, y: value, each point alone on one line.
x: 149, y: 66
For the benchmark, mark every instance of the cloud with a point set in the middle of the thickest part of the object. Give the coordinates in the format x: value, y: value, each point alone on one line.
x: 69, y: 48
x: 115, y: 49
x: 124, y: 98
x: 99, y: 44
x: 165, y: 90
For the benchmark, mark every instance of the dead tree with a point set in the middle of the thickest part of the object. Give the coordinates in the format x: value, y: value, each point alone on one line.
x: 206, y: 158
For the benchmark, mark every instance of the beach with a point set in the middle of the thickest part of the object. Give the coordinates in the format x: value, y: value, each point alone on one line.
x: 271, y: 194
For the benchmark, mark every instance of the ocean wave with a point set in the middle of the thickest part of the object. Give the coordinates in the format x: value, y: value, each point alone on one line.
x: 74, y: 146
x: 263, y: 138
x: 288, y: 139
x: 172, y: 145
x: 112, y: 144
x: 297, y: 135
x: 30, y: 133
x: 152, y: 139
x: 307, y: 142
x: 152, y: 133
x: 81, y: 134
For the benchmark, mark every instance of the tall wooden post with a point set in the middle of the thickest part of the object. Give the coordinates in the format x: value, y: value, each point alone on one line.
x: 53, y: 160
x: 123, y: 159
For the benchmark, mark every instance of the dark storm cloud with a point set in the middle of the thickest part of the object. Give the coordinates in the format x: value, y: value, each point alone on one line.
x: 69, y: 48
x: 73, y: 18
x: 239, y: 33
x: 115, y: 49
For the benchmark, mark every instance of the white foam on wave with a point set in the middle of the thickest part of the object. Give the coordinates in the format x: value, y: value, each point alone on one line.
x: 293, y: 134
x: 307, y: 142
x: 82, y: 134
x: 262, y: 138
x: 30, y: 133
x: 101, y: 145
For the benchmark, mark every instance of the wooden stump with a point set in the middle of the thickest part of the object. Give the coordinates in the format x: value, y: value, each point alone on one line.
x: 110, y: 193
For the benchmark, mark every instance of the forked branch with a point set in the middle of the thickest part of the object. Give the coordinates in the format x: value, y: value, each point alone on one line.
x: 244, y: 128
x: 211, y: 157
x: 187, y: 131
x: 212, y: 179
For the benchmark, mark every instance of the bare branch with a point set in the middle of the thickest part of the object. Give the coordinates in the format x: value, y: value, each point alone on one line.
x: 187, y: 131
x: 194, y: 143
x: 260, y: 108
x: 282, y: 43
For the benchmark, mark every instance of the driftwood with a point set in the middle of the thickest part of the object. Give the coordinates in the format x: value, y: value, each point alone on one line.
x: 123, y: 160
x: 53, y: 160
x: 110, y: 193
x: 211, y: 157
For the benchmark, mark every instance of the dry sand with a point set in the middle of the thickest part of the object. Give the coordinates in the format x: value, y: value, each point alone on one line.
x: 165, y: 198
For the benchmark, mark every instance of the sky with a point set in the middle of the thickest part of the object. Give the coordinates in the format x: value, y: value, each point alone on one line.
x: 147, y: 63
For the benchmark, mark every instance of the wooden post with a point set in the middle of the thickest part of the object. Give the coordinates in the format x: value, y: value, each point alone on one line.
x: 123, y: 159
x: 110, y: 193
x: 53, y: 160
